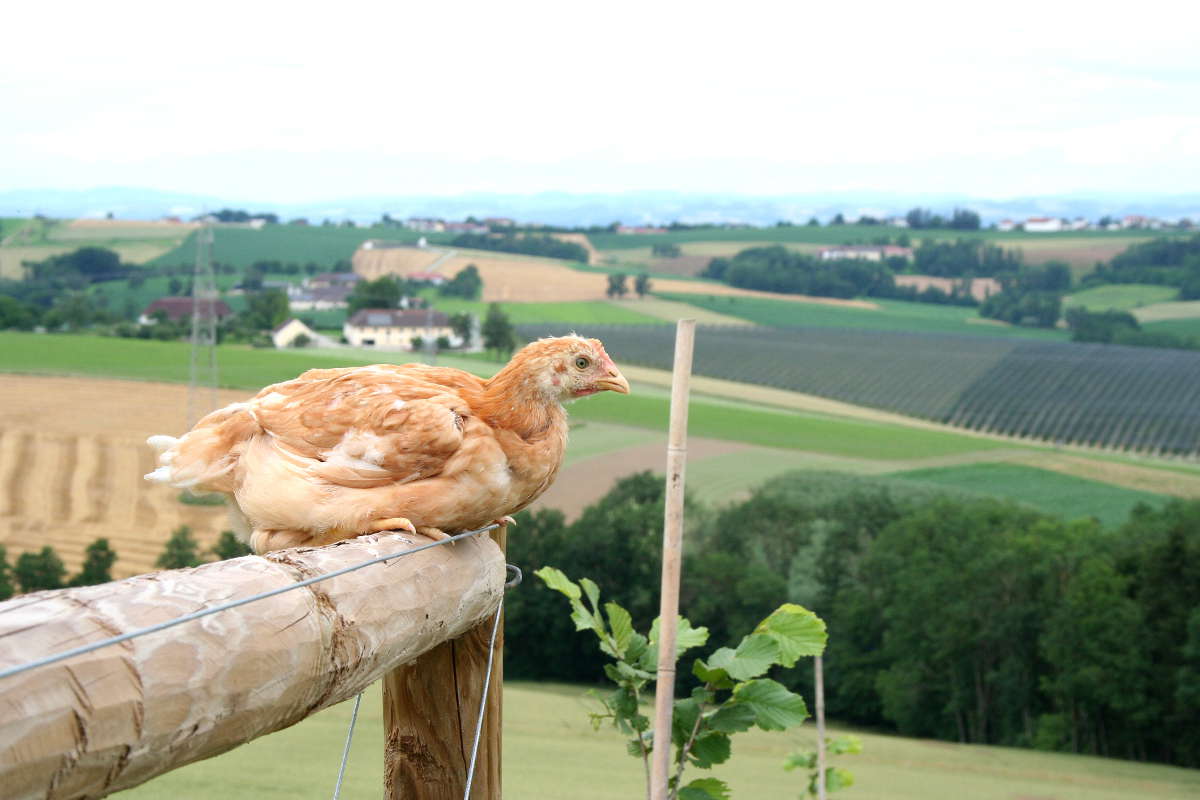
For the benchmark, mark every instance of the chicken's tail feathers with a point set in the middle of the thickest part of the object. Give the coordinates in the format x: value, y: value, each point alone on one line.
x: 204, y: 457
x: 165, y: 448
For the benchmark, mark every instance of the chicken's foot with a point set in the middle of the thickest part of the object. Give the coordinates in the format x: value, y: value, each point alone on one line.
x: 391, y: 524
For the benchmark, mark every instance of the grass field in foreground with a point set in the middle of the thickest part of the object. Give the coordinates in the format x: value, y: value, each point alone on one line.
x: 551, y: 752
x: 247, y: 368
x: 1052, y: 492
x: 892, y: 315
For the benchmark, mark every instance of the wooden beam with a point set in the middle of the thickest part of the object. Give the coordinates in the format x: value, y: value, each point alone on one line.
x: 120, y: 715
x: 430, y: 708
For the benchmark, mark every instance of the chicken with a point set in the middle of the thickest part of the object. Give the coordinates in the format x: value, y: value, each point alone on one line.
x: 338, y: 453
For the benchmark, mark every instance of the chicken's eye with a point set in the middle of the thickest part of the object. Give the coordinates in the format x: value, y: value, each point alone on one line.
x: 582, y: 362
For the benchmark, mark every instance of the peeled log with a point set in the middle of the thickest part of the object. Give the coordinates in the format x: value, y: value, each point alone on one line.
x: 120, y: 715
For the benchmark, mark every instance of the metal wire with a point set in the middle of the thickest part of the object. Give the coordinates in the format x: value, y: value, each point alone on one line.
x: 204, y: 612
x: 337, y: 789
x: 487, y: 683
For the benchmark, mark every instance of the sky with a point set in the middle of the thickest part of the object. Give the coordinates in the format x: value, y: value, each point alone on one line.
x: 276, y: 102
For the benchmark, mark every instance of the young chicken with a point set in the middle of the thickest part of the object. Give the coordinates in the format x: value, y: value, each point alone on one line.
x: 337, y: 453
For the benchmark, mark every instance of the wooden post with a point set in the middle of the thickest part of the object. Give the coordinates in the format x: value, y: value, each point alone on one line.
x: 115, y: 717
x: 819, y: 680
x: 664, y: 693
x: 430, y: 708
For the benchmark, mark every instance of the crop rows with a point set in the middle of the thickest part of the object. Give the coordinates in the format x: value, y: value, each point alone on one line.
x: 1136, y: 399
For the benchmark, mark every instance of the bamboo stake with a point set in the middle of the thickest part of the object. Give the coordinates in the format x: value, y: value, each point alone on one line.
x: 664, y: 694
x: 819, y: 680
x: 430, y: 708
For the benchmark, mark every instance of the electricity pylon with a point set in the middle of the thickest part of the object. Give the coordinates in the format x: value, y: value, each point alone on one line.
x: 202, y: 384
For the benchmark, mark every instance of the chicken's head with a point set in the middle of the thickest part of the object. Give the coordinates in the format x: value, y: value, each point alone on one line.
x: 569, y: 367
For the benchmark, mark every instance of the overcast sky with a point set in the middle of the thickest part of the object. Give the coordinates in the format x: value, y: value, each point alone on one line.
x: 277, y: 103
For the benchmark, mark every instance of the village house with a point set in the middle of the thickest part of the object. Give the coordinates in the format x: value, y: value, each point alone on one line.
x: 865, y: 252
x: 324, y: 291
x: 1043, y: 225
x: 177, y: 308
x: 287, y: 334
x: 425, y: 224
x: 1006, y: 225
x: 395, y: 329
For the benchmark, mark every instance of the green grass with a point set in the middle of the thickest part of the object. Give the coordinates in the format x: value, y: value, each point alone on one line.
x: 247, y: 368
x: 1120, y: 296
x: 893, y: 315
x: 287, y: 243
x: 782, y: 429
x: 1052, y: 492
x: 552, y: 752
x: 1179, y: 327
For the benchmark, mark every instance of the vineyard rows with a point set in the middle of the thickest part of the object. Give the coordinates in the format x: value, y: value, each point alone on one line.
x: 1136, y: 399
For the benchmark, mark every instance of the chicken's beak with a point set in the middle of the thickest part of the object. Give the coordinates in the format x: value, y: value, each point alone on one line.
x: 614, y: 381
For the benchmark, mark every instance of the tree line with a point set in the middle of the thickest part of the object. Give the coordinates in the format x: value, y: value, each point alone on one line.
x: 34, y: 571
x: 950, y: 615
x: 778, y: 269
x: 526, y: 244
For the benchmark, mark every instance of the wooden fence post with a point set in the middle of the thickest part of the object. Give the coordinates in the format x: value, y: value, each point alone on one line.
x: 114, y: 717
x: 430, y: 709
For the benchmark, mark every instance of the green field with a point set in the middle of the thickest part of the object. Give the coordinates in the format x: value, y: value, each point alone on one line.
x: 893, y: 315
x: 247, y: 368
x: 1052, y: 492
x: 551, y: 752
x: 1179, y: 327
x: 317, y: 244
x: 1120, y: 297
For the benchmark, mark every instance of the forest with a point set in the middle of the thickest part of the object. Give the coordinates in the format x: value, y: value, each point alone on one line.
x: 950, y: 615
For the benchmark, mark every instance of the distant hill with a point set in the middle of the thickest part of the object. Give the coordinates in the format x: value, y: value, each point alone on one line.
x: 569, y: 209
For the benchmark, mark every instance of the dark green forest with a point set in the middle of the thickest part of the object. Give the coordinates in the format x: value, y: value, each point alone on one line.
x: 950, y: 615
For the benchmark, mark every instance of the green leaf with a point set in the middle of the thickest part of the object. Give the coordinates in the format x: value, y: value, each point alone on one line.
x: 797, y: 631
x: 686, y: 637
x: 732, y: 718
x: 713, y: 676
x: 636, y: 649
x: 683, y: 718
x: 753, y: 657
x: 592, y: 590
x: 848, y: 744
x: 804, y: 759
x: 710, y: 749
x: 621, y: 625
x: 556, y: 580
x: 705, y: 789
x: 837, y: 778
x: 775, y: 708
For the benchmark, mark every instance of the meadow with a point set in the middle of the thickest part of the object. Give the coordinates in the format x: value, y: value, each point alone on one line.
x: 1120, y: 297
x: 1052, y: 492
x: 551, y: 752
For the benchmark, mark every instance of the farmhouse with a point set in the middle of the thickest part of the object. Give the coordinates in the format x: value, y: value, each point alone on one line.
x: 177, y: 308
x: 1043, y: 225
x: 390, y: 328
x: 864, y: 252
x: 325, y: 280
x: 287, y: 334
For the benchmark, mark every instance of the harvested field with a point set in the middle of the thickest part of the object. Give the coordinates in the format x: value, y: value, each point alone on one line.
x: 1081, y: 253
x: 517, y: 278
x: 121, y: 229
x: 72, y: 455
x: 981, y: 288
